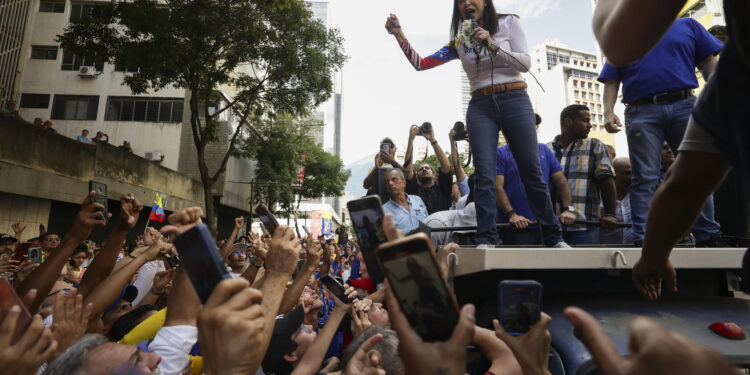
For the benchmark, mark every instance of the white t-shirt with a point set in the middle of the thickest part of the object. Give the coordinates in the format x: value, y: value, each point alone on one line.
x: 173, y: 344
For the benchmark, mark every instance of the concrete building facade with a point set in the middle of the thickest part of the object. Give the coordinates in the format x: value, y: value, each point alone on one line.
x: 568, y: 77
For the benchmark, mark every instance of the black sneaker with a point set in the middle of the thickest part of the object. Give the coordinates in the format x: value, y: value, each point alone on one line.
x: 716, y: 240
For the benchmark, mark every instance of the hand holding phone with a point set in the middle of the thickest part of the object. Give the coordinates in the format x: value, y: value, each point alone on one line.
x: 410, y: 265
x: 336, y: 289
x: 201, y: 260
x: 100, y: 189
x: 266, y: 217
x: 35, y: 255
x: 367, y: 218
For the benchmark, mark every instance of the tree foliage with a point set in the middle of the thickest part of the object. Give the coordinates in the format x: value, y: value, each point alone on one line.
x: 279, y: 149
x: 263, y: 57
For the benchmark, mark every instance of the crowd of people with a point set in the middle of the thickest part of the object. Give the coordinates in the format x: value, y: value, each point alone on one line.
x: 11, y: 110
x: 114, y: 307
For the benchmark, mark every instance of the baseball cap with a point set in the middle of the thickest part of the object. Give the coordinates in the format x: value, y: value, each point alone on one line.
x: 128, y: 294
x: 365, y: 283
x: 7, y: 237
x: 281, y: 340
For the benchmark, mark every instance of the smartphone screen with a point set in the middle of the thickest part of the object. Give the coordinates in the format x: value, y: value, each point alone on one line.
x: 267, y: 218
x: 367, y: 219
x: 411, y: 268
x: 520, y: 305
x: 385, y: 147
x: 101, y: 195
x: 9, y: 298
x: 337, y: 289
x: 201, y: 260
x: 35, y: 255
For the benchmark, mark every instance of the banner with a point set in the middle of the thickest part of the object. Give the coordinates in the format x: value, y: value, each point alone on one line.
x: 327, y: 223
x: 315, y: 223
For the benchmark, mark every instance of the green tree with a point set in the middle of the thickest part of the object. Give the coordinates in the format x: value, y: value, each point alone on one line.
x: 281, y: 144
x: 262, y: 56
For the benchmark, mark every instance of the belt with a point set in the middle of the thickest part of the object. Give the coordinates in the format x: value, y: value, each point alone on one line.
x: 498, y: 88
x: 665, y: 97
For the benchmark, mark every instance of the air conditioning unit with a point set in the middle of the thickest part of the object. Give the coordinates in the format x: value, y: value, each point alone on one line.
x: 87, y: 72
x: 155, y: 155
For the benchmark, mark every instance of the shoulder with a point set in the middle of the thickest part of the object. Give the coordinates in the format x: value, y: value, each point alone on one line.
x: 507, y: 16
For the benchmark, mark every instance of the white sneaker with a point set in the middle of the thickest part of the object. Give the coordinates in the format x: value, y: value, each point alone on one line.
x: 561, y: 245
x: 485, y: 246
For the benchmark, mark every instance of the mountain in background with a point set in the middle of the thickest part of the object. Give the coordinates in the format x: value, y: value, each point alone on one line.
x: 360, y: 169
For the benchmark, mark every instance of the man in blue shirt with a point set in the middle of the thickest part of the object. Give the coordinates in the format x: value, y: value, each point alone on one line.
x: 657, y: 91
x: 407, y: 210
x: 512, y: 203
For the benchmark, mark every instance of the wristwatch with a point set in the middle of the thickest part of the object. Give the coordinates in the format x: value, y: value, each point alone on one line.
x: 570, y: 209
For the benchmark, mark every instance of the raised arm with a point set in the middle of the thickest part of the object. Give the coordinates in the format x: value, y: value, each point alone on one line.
x: 442, y: 56
x: 105, y: 261
x: 227, y: 248
x: 292, y: 294
x: 457, y: 167
x: 89, y: 216
x: 408, y: 160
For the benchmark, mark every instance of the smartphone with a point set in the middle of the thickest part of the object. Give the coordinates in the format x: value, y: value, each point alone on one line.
x: 336, y: 289
x: 385, y: 147
x: 520, y: 305
x: 101, y: 195
x: 22, y: 250
x: 8, y: 299
x: 367, y: 218
x: 35, y: 255
x: 267, y: 218
x: 201, y: 260
x: 412, y: 270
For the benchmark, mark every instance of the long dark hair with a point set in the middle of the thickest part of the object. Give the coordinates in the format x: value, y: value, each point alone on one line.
x: 489, y: 19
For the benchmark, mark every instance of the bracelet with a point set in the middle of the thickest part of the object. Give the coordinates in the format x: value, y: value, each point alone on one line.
x: 433, y: 142
x: 154, y: 292
x: 510, y: 213
x: 131, y: 255
x: 611, y: 215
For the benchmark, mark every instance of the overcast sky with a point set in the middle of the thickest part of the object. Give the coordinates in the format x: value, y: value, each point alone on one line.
x: 383, y: 94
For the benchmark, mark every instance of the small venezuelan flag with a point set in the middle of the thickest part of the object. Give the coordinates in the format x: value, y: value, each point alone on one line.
x: 157, y: 210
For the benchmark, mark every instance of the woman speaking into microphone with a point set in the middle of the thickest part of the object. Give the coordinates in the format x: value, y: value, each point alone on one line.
x: 493, y: 51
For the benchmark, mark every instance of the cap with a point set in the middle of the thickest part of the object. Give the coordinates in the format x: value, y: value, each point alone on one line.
x: 281, y: 340
x: 365, y: 283
x: 128, y: 294
x: 7, y: 237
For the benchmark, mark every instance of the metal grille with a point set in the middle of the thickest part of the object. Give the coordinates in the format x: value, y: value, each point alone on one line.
x: 13, y: 16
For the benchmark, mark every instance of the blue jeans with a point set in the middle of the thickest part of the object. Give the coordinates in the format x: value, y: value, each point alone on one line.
x: 582, y: 237
x: 647, y: 127
x: 517, y: 122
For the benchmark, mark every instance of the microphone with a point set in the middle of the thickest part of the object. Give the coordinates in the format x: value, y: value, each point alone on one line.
x: 470, y: 15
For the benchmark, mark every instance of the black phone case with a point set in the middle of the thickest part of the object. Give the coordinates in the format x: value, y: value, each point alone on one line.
x: 101, y: 195
x: 201, y: 260
x: 368, y: 253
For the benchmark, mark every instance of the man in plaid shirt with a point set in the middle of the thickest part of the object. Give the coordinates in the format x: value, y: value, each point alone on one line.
x: 589, y: 171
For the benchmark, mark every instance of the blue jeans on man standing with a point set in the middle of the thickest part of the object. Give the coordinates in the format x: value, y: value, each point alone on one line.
x: 647, y: 127
x: 517, y: 122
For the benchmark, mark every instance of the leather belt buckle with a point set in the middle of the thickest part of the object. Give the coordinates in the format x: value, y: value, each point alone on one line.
x: 657, y: 99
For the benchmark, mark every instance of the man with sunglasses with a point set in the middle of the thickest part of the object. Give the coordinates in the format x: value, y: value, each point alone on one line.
x: 50, y: 242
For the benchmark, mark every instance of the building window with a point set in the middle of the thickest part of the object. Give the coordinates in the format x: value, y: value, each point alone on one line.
x: 71, y: 61
x: 575, y: 83
x: 144, y: 109
x: 78, y: 11
x: 52, y: 6
x: 598, y: 97
x: 34, y: 100
x: 120, y: 68
x: 598, y: 107
x: 594, y: 66
x: 75, y: 107
x: 44, y: 52
x: 576, y: 94
x: 597, y: 86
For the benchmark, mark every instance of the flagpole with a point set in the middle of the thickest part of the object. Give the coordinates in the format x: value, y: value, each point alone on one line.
x: 146, y: 228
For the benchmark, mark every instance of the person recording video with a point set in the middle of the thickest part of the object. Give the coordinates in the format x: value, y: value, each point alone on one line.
x: 385, y: 158
x: 433, y: 187
x: 499, y: 102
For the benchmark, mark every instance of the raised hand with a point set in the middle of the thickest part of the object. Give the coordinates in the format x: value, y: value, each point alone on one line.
x: 233, y: 310
x: 130, y: 209
x: 445, y: 357
x: 152, y: 236
x: 284, y: 253
x: 18, y: 228
x: 69, y: 319
x: 532, y: 348
x: 25, y: 269
x: 35, y: 346
x: 366, y: 360
x: 360, y: 321
x: 313, y: 254
x: 653, y: 349
x: 162, y: 280
x: 89, y: 216
x: 239, y: 222
x: 183, y: 220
